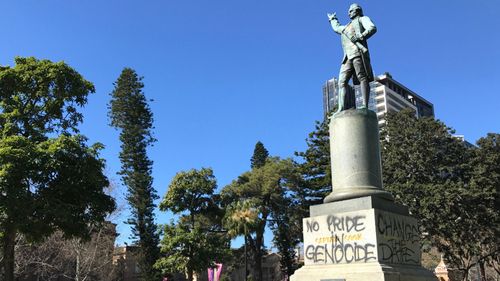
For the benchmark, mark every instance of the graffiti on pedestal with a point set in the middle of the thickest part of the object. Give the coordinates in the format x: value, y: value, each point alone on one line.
x: 336, y: 239
x: 398, y: 239
x: 360, y: 237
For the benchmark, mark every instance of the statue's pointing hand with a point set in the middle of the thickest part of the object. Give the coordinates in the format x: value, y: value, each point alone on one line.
x: 332, y: 16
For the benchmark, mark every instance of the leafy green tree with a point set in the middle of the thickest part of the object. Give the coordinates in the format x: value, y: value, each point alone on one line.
x: 130, y: 113
x: 260, y: 154
x: 258, y: 160
x: 190, y: 249
x: 49, y: 178
x: 190, y: 192
x: 286, y: 225
x: 265, y: 187
x: 240, y: 218
x: 445, y: 185
x: 285, y: 220
x: 196, y: 241
x: 418, y: 156
x: 485, y: 183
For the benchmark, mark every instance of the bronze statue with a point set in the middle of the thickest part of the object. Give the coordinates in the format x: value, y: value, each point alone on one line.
x: 356, y: 56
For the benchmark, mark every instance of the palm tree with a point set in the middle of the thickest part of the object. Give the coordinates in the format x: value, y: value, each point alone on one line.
x: 241, y: 217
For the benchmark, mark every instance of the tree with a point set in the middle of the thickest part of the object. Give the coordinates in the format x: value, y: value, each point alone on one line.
x: 285, y: 222
x: 419, y: 156
x: 445, y: 185
x: 485, y: 183
x: 418, y: 152
x: 239, y: 219
x: 259, y: 156
x: 286, y: 225
x: 196, y: 241
x: 72, y: 259
x: 265, y: 187
x: 130, y: 113
x: 49, y: 178
x: 315, y: 168
x: 313, y: 185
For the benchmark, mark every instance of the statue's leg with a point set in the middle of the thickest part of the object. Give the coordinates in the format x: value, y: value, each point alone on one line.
x: 363, y: 80
x: 346, y: 72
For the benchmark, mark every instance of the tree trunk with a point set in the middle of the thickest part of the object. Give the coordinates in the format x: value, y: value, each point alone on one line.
x: 257, y: 276
x: 77, y: 265
x: 482, y: 270
x: 259, y: 243
x: 190, y: 275
x: 246, y: 255
x: 466, y: 275
x: 9, y: 242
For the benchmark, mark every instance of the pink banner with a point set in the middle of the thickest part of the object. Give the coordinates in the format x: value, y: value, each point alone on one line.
x: 219, y: 271
x: 210, y: 274
x: 214, y: 273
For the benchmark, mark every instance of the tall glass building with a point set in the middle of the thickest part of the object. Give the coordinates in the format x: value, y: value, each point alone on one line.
x: 387, y: 95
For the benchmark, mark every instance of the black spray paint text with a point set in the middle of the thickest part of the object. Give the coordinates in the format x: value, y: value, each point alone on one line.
x: 340, y: 252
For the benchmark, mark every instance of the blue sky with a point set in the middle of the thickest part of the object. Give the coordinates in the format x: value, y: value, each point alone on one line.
x: 226, y: 73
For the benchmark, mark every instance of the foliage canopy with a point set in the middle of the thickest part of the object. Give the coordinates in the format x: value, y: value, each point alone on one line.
x: 49, y: 178
x: 197, y: 241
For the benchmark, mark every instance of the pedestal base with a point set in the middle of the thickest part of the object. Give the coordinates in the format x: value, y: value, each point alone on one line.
x: 362, y: 272
x: 361, y: 239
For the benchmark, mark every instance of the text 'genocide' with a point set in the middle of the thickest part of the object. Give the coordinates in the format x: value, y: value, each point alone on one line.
x: 342, y: 249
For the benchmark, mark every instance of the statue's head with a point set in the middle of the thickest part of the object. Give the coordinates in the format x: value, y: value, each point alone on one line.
x: 355, y: 10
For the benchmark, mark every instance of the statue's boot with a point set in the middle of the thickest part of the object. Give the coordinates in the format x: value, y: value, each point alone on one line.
x: 340, y: 100
x: 365, y: 92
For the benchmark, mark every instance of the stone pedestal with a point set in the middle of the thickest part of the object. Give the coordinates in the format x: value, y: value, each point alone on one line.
x: 355, y: 155
x: 361, y: 239
x: 359, y: 234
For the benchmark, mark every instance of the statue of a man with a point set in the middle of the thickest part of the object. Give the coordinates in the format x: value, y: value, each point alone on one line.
x: 356, y: 56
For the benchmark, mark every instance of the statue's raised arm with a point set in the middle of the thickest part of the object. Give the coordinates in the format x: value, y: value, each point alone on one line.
x: 334, y: 21
x: 356, y: 61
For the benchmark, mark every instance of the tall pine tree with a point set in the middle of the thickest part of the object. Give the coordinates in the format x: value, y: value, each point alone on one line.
x: 315, y: 168
x: 130, y: 113
x: 259, y: 156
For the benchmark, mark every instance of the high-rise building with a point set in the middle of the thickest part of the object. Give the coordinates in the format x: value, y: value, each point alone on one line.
x: 330, y: 93
x: 386, y: 95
